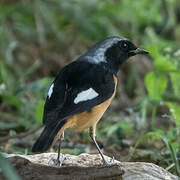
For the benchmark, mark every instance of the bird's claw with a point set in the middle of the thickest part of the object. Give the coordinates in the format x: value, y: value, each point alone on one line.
x: 57, y: 162
x: 111, y: 162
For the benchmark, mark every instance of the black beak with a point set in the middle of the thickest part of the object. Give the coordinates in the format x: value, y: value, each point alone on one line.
x: 137, y: 51
x: 141, y: 51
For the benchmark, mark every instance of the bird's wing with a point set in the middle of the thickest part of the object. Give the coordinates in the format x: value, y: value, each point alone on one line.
x: 79, y: 87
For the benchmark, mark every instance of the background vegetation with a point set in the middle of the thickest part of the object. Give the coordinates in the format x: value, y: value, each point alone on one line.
x: 39, y: 37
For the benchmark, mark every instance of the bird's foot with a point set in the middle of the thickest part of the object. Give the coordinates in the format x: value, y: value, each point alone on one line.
x: 57, y: 162
x: 111, y: 162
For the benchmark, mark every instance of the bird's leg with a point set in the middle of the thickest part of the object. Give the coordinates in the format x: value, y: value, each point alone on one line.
x: 92, y: 135
x: 59, y: 158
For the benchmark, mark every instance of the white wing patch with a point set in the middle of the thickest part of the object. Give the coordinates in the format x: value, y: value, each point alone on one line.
x: 50, y: 91
x: 86, y: 95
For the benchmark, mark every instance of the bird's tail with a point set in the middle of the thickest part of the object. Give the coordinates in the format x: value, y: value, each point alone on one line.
x: 47, y: 137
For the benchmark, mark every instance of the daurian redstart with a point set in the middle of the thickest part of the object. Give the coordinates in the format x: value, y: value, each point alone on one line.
x: 83, y: 90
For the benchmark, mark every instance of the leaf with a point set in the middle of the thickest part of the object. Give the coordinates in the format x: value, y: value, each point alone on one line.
x: 175, y: 111
x: 170, y: 135
x: 158, y: 134
x: 174, y: 157
x: 39, y: 112
x: 155, y: 85
x: 126, y: 128
x: 7, y: 169
x: 162, y: 64
x: 111, y: 129
x: 175, y: 79
x: 12, y: 100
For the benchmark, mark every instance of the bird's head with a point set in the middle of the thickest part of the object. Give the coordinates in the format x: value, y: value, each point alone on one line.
x: 113, y: 51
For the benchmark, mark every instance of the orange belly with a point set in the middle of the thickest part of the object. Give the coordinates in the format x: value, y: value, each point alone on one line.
x: 86, y: 119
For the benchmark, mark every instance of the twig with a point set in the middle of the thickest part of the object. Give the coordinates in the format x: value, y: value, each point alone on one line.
x: 169, y: 167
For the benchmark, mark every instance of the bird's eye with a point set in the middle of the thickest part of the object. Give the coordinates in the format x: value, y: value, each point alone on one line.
x: 124, y: 45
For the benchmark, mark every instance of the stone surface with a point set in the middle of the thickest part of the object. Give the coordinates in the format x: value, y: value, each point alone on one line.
x: 84, y: 166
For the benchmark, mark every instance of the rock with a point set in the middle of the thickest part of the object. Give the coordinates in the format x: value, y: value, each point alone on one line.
x: 84, y: 167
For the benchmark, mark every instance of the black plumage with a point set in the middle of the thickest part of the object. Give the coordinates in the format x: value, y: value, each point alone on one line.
x: 95, y: 73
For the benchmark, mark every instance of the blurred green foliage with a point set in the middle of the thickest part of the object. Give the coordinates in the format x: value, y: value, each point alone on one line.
x: 7, y: 169
x: 38, y: 36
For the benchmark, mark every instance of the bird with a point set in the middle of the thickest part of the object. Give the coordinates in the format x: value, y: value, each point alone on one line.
x: 82, y: 91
